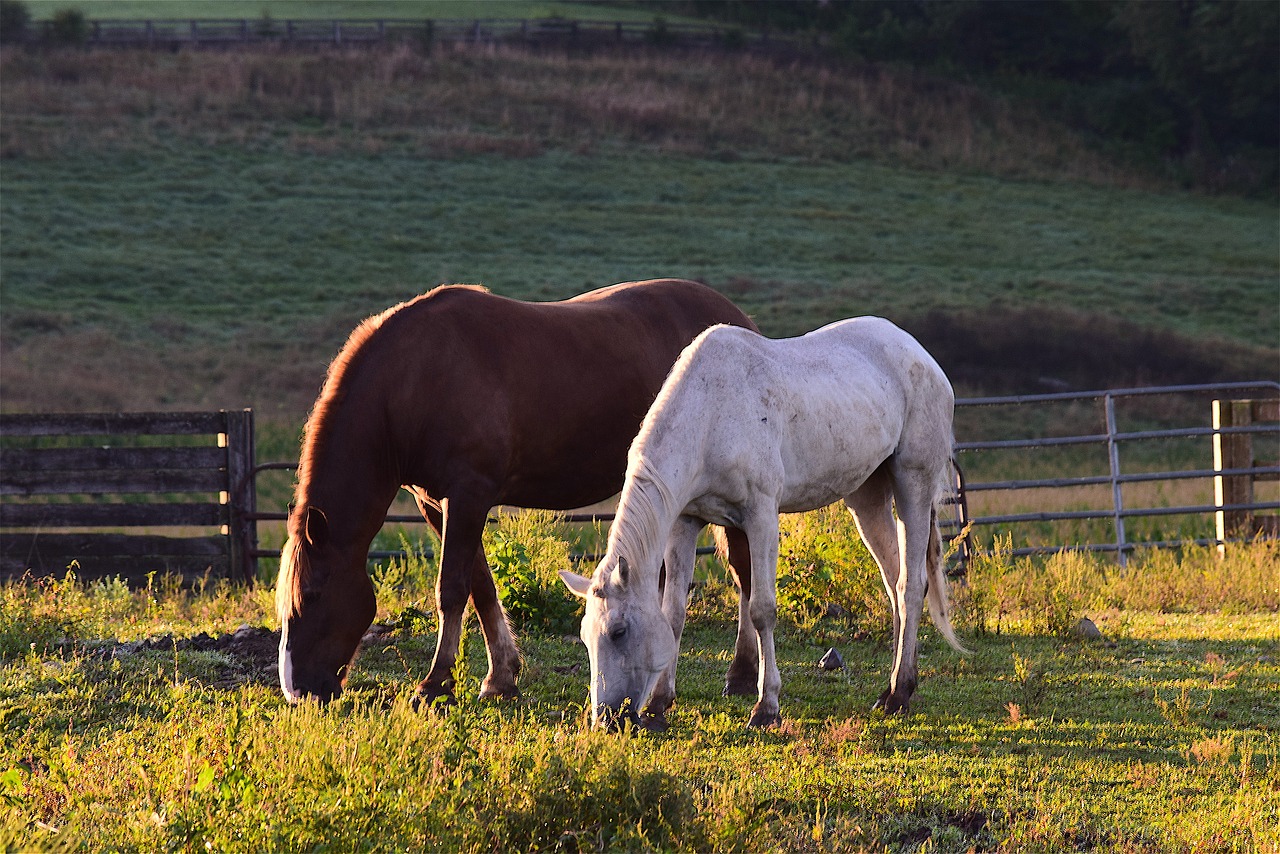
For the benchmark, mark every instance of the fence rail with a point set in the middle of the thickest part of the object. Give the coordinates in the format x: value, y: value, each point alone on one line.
x: 957, y: 516
x: 137, y: 482
x: 425, y: 32
x: 70, y: 482
x: 1236, y: 511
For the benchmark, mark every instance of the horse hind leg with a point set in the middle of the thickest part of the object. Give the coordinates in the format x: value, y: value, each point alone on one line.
x: 913, y: 493
x: 744, y: 670
x: 872, y: 508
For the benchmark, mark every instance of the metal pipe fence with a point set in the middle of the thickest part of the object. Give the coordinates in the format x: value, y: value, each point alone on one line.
x: 1235, y: 521
x: 969, y: 532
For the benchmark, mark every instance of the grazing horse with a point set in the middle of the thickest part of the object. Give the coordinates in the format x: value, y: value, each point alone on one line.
x: 745, y: 428
x: 469, y: 400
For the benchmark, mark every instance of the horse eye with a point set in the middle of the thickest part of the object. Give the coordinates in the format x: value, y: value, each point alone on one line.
x: 618, y: 633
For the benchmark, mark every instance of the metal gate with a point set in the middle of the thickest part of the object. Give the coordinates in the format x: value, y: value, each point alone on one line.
x: 1223, y: 437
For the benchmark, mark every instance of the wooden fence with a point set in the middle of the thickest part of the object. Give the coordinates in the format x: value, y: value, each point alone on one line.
x: 1236, y: 424
x: 70, y: 483
x: 550, y: 32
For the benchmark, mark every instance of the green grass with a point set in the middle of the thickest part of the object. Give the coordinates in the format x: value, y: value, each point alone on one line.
x: 247, y: 255
x: 1164, y: 737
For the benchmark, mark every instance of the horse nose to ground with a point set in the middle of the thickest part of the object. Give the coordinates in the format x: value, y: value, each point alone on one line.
x: 616, y: 720
x: 296, y: 686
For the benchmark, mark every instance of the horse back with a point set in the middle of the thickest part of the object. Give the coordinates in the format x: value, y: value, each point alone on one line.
x: 537, y: 400
x: 810, y: 417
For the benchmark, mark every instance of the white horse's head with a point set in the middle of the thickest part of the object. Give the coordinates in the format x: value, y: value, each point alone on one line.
x: 628, y: 638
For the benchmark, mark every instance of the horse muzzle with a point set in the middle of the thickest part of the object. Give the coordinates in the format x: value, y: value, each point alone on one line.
x: 297, y: 685
x: 612, y: 719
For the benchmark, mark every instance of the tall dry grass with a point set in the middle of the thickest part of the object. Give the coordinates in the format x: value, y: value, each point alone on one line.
x: 1049, y: 594
x: 508, y: 101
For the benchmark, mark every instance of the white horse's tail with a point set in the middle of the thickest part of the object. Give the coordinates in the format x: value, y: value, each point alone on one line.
x: 937, y: 588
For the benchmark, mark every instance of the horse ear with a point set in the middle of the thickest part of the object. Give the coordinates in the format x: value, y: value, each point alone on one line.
x: 315, y: 527
x: 623, y: 570
x: 577, y: 585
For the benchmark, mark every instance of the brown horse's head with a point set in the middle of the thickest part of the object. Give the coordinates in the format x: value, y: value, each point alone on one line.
x: 325, y: 603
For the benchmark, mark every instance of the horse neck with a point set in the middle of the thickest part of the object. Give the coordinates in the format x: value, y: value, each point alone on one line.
x: 646, y: 514
x: 346, y: 474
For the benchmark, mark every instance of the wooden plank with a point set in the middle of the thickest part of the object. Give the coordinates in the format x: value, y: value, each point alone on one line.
x: 132, y: 569
x: 111, y: 515
x: 1266, y: 410
x: 89, y: 545
x: 111, y: 482
x: 112, y: 423
x: 89, y: 459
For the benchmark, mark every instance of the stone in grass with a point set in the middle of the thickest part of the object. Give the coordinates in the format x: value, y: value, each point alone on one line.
x: 1086, y: 630
x: 832, y: 660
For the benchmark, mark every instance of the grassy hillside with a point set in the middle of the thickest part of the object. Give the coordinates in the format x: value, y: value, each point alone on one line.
x: 202, y: 229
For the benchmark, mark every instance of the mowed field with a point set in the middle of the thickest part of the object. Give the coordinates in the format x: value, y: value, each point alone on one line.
x: 203, y: 229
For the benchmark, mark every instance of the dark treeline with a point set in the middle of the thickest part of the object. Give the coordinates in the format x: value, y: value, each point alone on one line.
x: 1195, y: 83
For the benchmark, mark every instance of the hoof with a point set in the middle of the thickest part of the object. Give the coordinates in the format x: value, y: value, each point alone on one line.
x: 764, y: 720
x: 743, y: 686
x: 653, y: 722
x: 490, y: 692
x: 432, y: 698
x: 891, y: 704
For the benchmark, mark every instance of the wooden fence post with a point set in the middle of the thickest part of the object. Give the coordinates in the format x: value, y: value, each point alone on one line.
x: 242, y: 500
x: 1236, y: 451
x: 1230, y: 451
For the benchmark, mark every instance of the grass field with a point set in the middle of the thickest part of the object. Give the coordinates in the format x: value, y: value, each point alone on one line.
x: 1161, y: 737
x: 243, y: 271
x: 202, y: 229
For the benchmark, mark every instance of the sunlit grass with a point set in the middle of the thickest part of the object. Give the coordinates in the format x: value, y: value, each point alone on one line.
x: 1155, y: 738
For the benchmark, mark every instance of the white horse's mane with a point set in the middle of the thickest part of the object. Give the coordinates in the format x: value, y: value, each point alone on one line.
x: 645, y: 502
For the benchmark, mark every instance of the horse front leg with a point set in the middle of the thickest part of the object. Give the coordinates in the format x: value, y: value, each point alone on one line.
x: 744, y: 671
x: 499, y: 641
x: 682, y: 545
x: 763, y: 607
x: 461, y: 526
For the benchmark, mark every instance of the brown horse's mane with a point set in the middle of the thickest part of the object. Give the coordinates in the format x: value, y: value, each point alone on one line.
x: 295, y: 567
x: 337, y: 383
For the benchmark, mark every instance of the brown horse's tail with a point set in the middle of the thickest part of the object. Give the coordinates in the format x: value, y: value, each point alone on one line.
x: 938, y: 588
x: 722, y: 543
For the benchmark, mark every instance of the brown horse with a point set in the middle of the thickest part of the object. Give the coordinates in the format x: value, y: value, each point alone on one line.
x: 471, y: 400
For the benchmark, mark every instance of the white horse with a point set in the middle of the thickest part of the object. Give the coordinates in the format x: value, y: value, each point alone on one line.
x: 745, y: 428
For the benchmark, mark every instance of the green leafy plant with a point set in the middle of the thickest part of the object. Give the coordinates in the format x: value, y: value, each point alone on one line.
x: 822, y: 562
x: 525, y: 551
